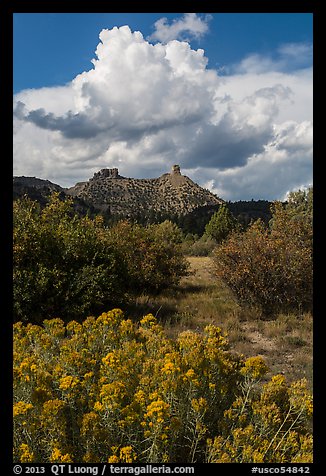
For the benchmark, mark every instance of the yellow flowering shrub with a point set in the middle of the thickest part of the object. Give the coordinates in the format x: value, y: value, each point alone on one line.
x: 26, y: 456
x: 122, y: 455
x: 58, y: 457
x: 110, y: 390
x: 269, y: 426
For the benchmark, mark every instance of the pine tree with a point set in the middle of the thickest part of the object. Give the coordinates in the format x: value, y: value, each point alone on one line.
x: 221, y: 224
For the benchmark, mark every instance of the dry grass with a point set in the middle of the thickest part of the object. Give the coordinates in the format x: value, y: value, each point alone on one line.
x: 285, y: 342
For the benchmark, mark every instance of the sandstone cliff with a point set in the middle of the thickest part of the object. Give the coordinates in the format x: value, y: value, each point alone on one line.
x: 171, y: 193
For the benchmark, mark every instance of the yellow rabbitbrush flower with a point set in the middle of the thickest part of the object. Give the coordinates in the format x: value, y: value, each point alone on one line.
x: 74, y: 327
x: 112, y: 395
x: 111, y: 390
x: 26, y: 370
x: 126, y: 328
x: 254, y: 367
x: 300, y: 397
x: 58, y: 457
x: 274, y: 432
x: 88, y: 375
x: 21, y: 408
x: 26, y: 456
x: 148, y: 320
x: 190, y: 373
x: 111, y: 319
x: 68, y: 382
x: 199, y: 405
x: 170, y: 368
x: 157, y: 410
x: 110, y: 359
x: 125, y: 454
x: 98, y: 406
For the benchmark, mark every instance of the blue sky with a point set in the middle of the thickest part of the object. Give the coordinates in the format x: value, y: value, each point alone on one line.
x: 239, y: 85
x: 52, y: 48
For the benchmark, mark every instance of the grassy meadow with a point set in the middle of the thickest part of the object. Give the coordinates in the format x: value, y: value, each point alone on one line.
x: 285, y: 341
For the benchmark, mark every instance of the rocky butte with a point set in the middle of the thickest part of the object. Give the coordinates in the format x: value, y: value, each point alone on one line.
x: 171, y: 193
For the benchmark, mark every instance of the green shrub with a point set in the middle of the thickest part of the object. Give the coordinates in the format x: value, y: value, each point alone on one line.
x: 202, y: 246
x: 63, y: 264
x: 71, y: 266
x: 150, y: 256
x: 270, y: 269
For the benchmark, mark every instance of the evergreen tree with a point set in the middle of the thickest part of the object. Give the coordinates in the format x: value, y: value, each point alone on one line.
x: 221, y: 224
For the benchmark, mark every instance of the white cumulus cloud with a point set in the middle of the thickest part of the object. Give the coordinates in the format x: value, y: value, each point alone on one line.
x: 144, y: 106
x: 189, y: 26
